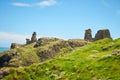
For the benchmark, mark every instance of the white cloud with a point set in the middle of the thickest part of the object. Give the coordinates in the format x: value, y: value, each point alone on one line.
x: 7, y: 38
x: 43, y: 3
x: 46, y: 3
x: 14, y: 37
x: 21, y: 4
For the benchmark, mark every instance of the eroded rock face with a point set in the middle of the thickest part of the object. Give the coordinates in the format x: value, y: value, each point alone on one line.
x: 101, y: 34
x: 4, y: 60
x: 76, y: 43
x: 52, y: 50
x: 10, y: 59
x: 15, y: 45
x: 88, y: 35
x: 33, y: 38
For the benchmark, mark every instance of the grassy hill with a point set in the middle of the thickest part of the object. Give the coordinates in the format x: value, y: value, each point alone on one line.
x: 98, y: 60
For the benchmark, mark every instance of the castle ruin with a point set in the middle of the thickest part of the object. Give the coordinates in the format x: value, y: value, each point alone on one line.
x: 101, y: 34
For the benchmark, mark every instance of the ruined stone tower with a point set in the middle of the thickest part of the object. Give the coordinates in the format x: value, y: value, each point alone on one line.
x: 101, y: 34
x: 33, y: 38
x: 88, y: 35
x: 28, y: 41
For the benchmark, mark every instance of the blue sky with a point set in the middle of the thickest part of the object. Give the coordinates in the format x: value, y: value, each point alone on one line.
x: 56, y: 18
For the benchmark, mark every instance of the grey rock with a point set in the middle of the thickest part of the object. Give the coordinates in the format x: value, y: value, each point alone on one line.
x: 76, y: 43
x: 45, y: 40
x: 4, y: 60
x: 116, y: 52
x: 4, y: 72
x: 15, y: 45
x: 105, y: 48
x: 50, y: 52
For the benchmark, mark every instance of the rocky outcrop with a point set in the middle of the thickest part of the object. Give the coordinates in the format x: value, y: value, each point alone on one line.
x: 44, y: 49
x: 43, y: 41
x: 52, y: 50
x: 101, y: 34
x: 7, y: 58
x: 4, y: 60
x: 15, y: 45
x: 4, y: 72
x: 76, y: 42
x: 55, y: 47
x: 47, y: 48
x: 88, y: 35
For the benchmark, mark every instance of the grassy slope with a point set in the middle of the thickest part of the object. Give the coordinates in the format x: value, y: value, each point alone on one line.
x: 90, y: 62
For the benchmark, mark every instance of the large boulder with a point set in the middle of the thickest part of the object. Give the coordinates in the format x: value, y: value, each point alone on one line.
x: 88, y: 35
x: 101, y: 34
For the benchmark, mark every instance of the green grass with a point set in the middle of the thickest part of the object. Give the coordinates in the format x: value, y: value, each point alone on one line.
x: 90, y: 62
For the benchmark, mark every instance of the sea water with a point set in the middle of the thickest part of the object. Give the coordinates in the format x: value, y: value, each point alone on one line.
x: 4, y: 49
